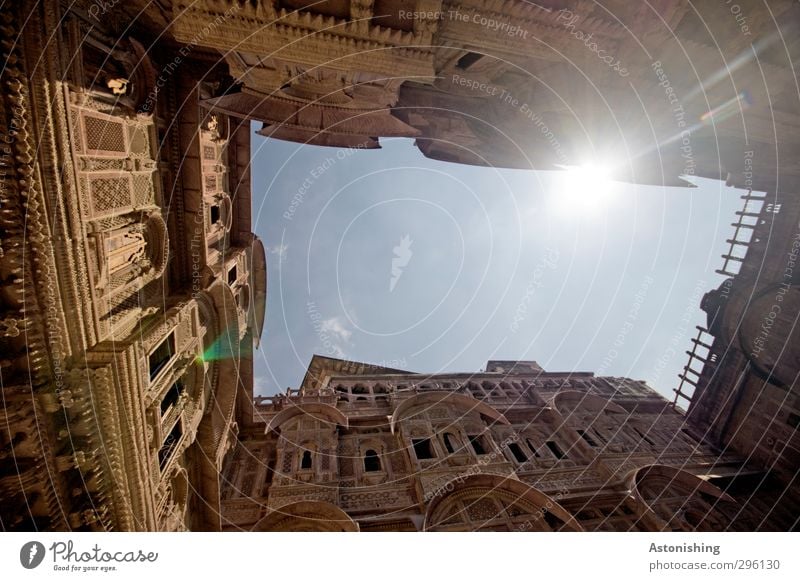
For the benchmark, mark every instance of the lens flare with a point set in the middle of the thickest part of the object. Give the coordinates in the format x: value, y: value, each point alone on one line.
x: 731, y: 107
x: 226, y: 346
x: 582, y: 188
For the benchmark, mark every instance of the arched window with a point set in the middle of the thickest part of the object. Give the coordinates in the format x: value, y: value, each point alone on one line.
x: 305, y: 461
x: 372, y: 462
x: 449, y: 440
x: 478, y: 444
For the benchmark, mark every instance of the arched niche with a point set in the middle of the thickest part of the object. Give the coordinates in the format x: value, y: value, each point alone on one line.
x: 448, y: 398
x: 318, y: 410
x: 244, y: 297
x: 680, y: 500
x: 226, y: 209
x: 221, y: 357
x: 258, y: 286
x: 157, y: 244
x: 219, y: 316
x: 188, y: 390
x: 123, y: 76
x: 307, y: 516
x: 494, y: 502
x: 130, y: 255
x: 178, y: 501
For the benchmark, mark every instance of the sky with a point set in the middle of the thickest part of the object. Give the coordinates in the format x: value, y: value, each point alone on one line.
x: 386, y: 257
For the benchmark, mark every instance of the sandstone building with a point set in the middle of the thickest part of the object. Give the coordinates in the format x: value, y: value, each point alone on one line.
x: 133, y: 290
x: 514, y: 448
x: 740, y: 384
x: 132, y: 287
x: 658, y: 91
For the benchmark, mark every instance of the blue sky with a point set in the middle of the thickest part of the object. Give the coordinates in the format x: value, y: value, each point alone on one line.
x: 387, y: 257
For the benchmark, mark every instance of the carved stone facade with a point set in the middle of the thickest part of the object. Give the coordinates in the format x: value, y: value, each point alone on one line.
x: 668, y: 89
x: 132, y: 287
x: 741, y: 380
x: 359, y: 447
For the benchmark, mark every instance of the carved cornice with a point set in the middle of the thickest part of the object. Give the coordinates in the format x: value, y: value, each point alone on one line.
x: 305, y: 38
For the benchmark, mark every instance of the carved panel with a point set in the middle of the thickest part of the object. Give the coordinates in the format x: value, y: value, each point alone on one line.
x: 286, y: 466
x: 139, y: 141
x: 109, y: 194
x: 361, y: 499
x: 103, y: 135
x: 280, y: 496
x: 143, y: 191
x: 346, y: 467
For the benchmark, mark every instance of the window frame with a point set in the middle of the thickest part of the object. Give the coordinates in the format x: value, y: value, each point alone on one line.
x: 415, y: 442
x: 181, y: 389
x: 306, y: 452
x: 376, y: 456
x: 481, y: 442
x: 169, y: 339
x: 520, y: 458
x: 555, y: 449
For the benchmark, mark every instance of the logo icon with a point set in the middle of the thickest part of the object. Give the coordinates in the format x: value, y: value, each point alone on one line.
x: 31, y: 554
x: 402, y: 254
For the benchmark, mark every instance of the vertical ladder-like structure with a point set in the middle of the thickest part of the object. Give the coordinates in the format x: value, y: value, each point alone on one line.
x: 748, y: 219
x: 740, y: 225
x: 691, y: 376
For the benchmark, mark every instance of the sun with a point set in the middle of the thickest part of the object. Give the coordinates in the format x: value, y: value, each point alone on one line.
x: 582, y: 188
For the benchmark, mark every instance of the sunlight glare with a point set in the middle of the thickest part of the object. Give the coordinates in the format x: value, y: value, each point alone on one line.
x: 582, y: 188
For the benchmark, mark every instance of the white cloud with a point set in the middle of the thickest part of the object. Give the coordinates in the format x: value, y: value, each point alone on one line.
x: 280, y: 251
x: 333, y: 334
x: 335, y: 327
